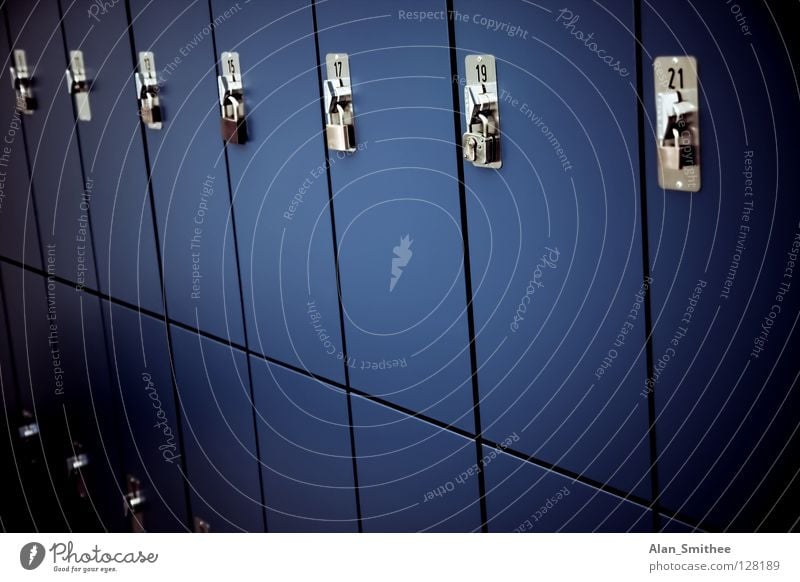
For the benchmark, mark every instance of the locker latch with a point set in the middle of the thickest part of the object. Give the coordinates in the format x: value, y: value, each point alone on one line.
x: 147, y: 91
x: 28, y: 430
x: 678, y: 128
x: 78, y: 85
x: 22, y: 82
x: 75, y: 466
x: 134, y: 503
x: 481, y: 142
x: 231, y: 100
x: 340, y: 129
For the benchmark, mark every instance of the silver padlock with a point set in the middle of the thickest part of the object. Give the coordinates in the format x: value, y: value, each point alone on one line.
x: 147, y: 91
x: 233, y: 123
x: 135, y: 501
x: 76, y: 468
x: 340, y: 136
x: 481, y: 141
x: 22, y: 82
x: 234, y: 128
x: 340, y: 131
x: 150, y: 110
x: 480, y: 147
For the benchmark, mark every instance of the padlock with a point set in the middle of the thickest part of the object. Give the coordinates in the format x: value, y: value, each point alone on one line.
x: 26, y: 102
x: 678, y: 149
x: 340, y: 136
x: 149, y: 109
x: 76, y: 469
x: 134, y: 501
x: 234, y: 129
x: 480, y: 148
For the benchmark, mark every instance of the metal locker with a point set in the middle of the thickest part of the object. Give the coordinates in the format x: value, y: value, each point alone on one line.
x: 412, y: 475
x: 14, y: 515
x: 67, y: 426
x: 724, y: 305
x: 41, y: 444
x: 55, y: 162
x: 555, y: 239
x: 280, y: 189
x: 306, y: 459
x: 187, y: 169
x: 153, y: 488
x: 222, y: 463
x: 398, y: 217
x: 88, y: 411
x: 522, y: 497
x: 19, y: 234
x: 115, y: 173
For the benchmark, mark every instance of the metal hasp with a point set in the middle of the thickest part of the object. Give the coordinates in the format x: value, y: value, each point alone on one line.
x: 134, y: 504
x: 340, y: 129
x: 22, y: 82
x: 29, y: 430
x: 231, y: 100
x: 677, y: 121
x: 78, y: 85
x: 147, y: 91
x: 75, y: 466
x: 481, y: 142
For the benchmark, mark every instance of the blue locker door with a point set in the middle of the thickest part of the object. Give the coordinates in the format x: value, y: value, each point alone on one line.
x: 13, y: 508
x: 63, y: 362
x: 396, y: 202
x: 57, y: 179
x: 306, y: 457
x: 188, y: 171
x: 221, y: 453
x: 413, y: 476
x: 280, y: 187
x: 150, y: 439
x: 522, y: 497
x: 41, y: 373
x: 19, y: 235
x: 116, y: 178
x: 88, y: 416
x: 555, y: 238
x: 725, y: 302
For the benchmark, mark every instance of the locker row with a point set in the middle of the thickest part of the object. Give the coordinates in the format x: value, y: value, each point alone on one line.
x: 540, y: 301
x: 112, y: 451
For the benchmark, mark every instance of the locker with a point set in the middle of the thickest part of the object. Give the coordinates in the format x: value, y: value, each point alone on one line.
x: 398, y: 219
x: 40, y: 504
x: 13, y: 509
x: 412, y: 475
x: 306, y: 458
x: 723, y: 395
x: 221, y: 454
x: 280, y: 192
x: 152, y: 451
x: 187, y: 169
x: 42, y: 446
x: 115, y: 171
x: 555, y: 240
x: 65, y: 387
x: 19, y: 234
x: 372, y: 329
x: 89, y: 412
x: 522, y: 497
x: 51, y: 143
